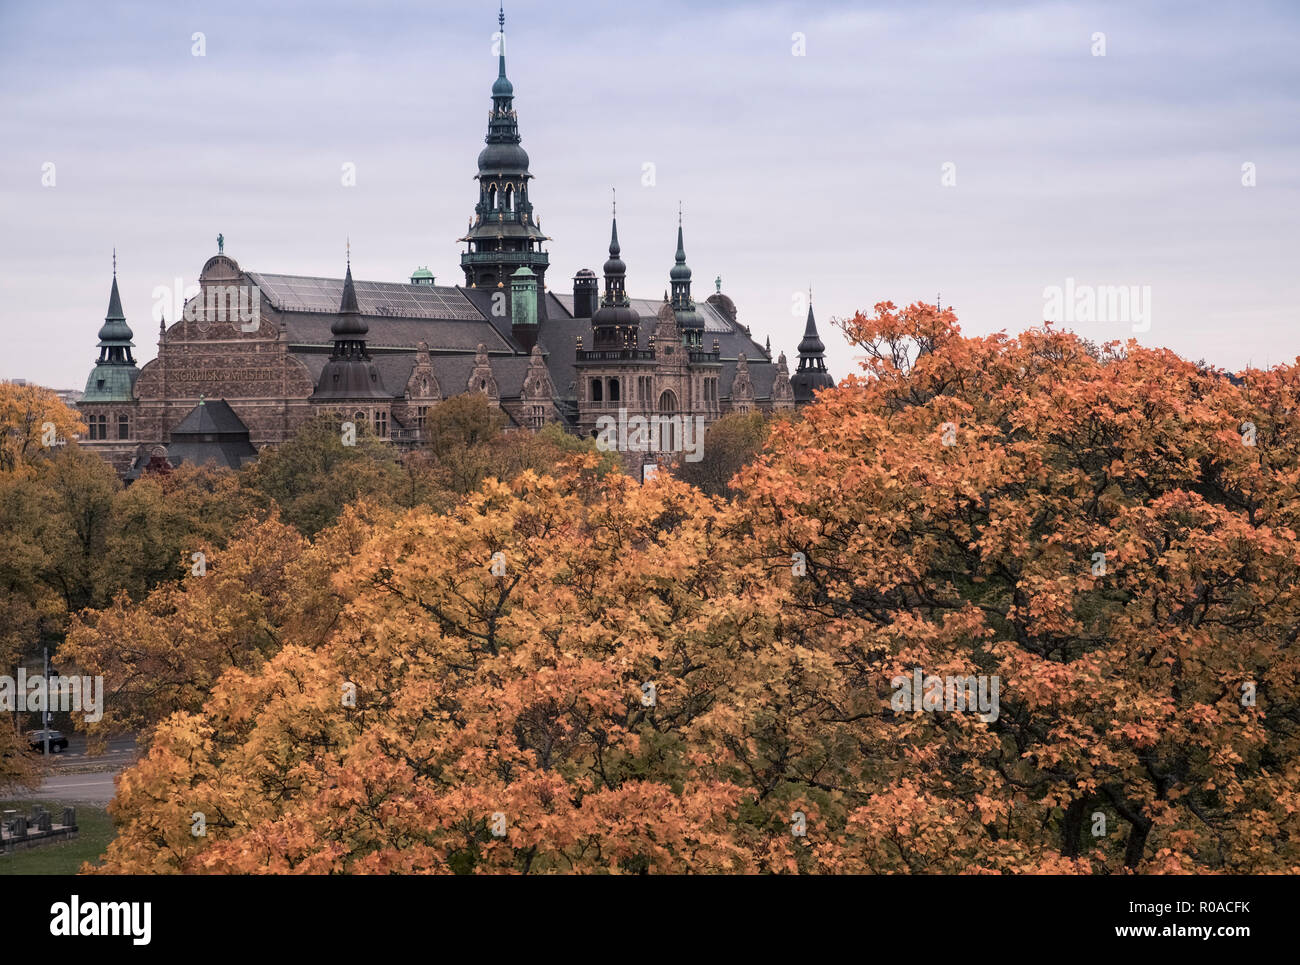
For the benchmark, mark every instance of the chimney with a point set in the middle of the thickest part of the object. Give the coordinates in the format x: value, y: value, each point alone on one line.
x: 523, y: 307
x: 585, y: 294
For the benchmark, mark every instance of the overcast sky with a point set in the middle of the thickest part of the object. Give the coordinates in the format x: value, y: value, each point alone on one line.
x: 824, y: 169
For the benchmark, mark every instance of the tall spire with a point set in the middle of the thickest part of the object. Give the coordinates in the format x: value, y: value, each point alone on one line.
x: 349, y: 328
x: 115, y: 335
x: 350, y: 373
x: 811, y: 375
x: 501, y: 49
x: 615, y: 269
x: 615, y: 324
x: 113, y: 377
x: 689, y: 322
x: 504, y: 235
x: 811, y: 343
x: 502, y: 90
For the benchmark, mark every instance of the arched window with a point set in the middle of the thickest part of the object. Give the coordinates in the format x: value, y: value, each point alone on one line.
x: 613, y: 390
x: 668, y: 426
x: 596, y: 391
x: 510, y: 197
x: 492, y: 197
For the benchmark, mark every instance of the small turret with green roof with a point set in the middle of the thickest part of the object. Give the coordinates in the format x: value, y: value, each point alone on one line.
x: 115, y: 372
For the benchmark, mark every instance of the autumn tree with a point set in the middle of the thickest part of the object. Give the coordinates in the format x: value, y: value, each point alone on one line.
x: 730, y: 443
x: 33, y: 422
x: 574, y: 672
x: 1112, y: 536
x: 314, y: 474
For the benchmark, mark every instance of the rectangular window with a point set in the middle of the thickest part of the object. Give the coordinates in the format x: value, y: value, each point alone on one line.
x: 381, y: 425
x: 123, y: 427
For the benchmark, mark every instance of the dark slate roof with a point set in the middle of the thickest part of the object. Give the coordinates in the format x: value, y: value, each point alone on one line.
x: 399, y: 315
x: 213, y: 416
x: 306, y: 293
x: 442, y: 335
x: 210, y: 432
x: 481, y: 298
x: 761, y: 374
x: 230, y: 455
x: 454, y: 321
x: 452, y: 371
x: 558, y: 339
x: 394, y: 368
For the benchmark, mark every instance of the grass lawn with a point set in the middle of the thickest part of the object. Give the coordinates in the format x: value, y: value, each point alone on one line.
x: 95, y: 830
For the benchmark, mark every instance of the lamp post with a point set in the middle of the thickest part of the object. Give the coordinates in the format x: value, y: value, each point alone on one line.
x: 45, y: 712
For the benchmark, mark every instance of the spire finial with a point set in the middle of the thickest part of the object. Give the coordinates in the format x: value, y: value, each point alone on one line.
x: 114, y: 262
x: 938, y: 301
x: 679, y: 212
x: 349, y: 253
x: 614, y: 192
x: 501, y: 15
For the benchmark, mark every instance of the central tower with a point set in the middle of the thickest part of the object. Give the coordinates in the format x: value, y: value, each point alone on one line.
x: 503, y: 234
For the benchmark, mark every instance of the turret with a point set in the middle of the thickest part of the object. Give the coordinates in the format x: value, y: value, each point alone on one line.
x: 811, y: 375
x: 115, y: 372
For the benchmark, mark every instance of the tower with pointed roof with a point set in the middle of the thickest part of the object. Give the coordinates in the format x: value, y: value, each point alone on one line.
x: 810, y: 376
x: 504, y: 235
x: 114, y: 375
x: 109, y: 403
x: 690, y: 321
x: 616, y: 370
x: 350, y: 384
x: 616, y: 325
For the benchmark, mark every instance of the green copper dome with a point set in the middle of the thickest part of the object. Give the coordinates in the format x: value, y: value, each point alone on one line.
x: 111, y: 383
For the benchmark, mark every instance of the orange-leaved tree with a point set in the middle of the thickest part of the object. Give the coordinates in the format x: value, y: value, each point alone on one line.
x: 578, y: 673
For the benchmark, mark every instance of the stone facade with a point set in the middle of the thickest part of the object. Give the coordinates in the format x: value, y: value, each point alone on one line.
x: 275, y: 349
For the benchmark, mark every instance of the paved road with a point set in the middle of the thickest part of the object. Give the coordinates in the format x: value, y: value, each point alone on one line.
x: 119, y: 752
x: 81, y: 788
x: 97, y: 789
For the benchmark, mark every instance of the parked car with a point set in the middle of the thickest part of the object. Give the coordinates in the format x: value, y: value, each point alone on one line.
x: 36, y: 740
